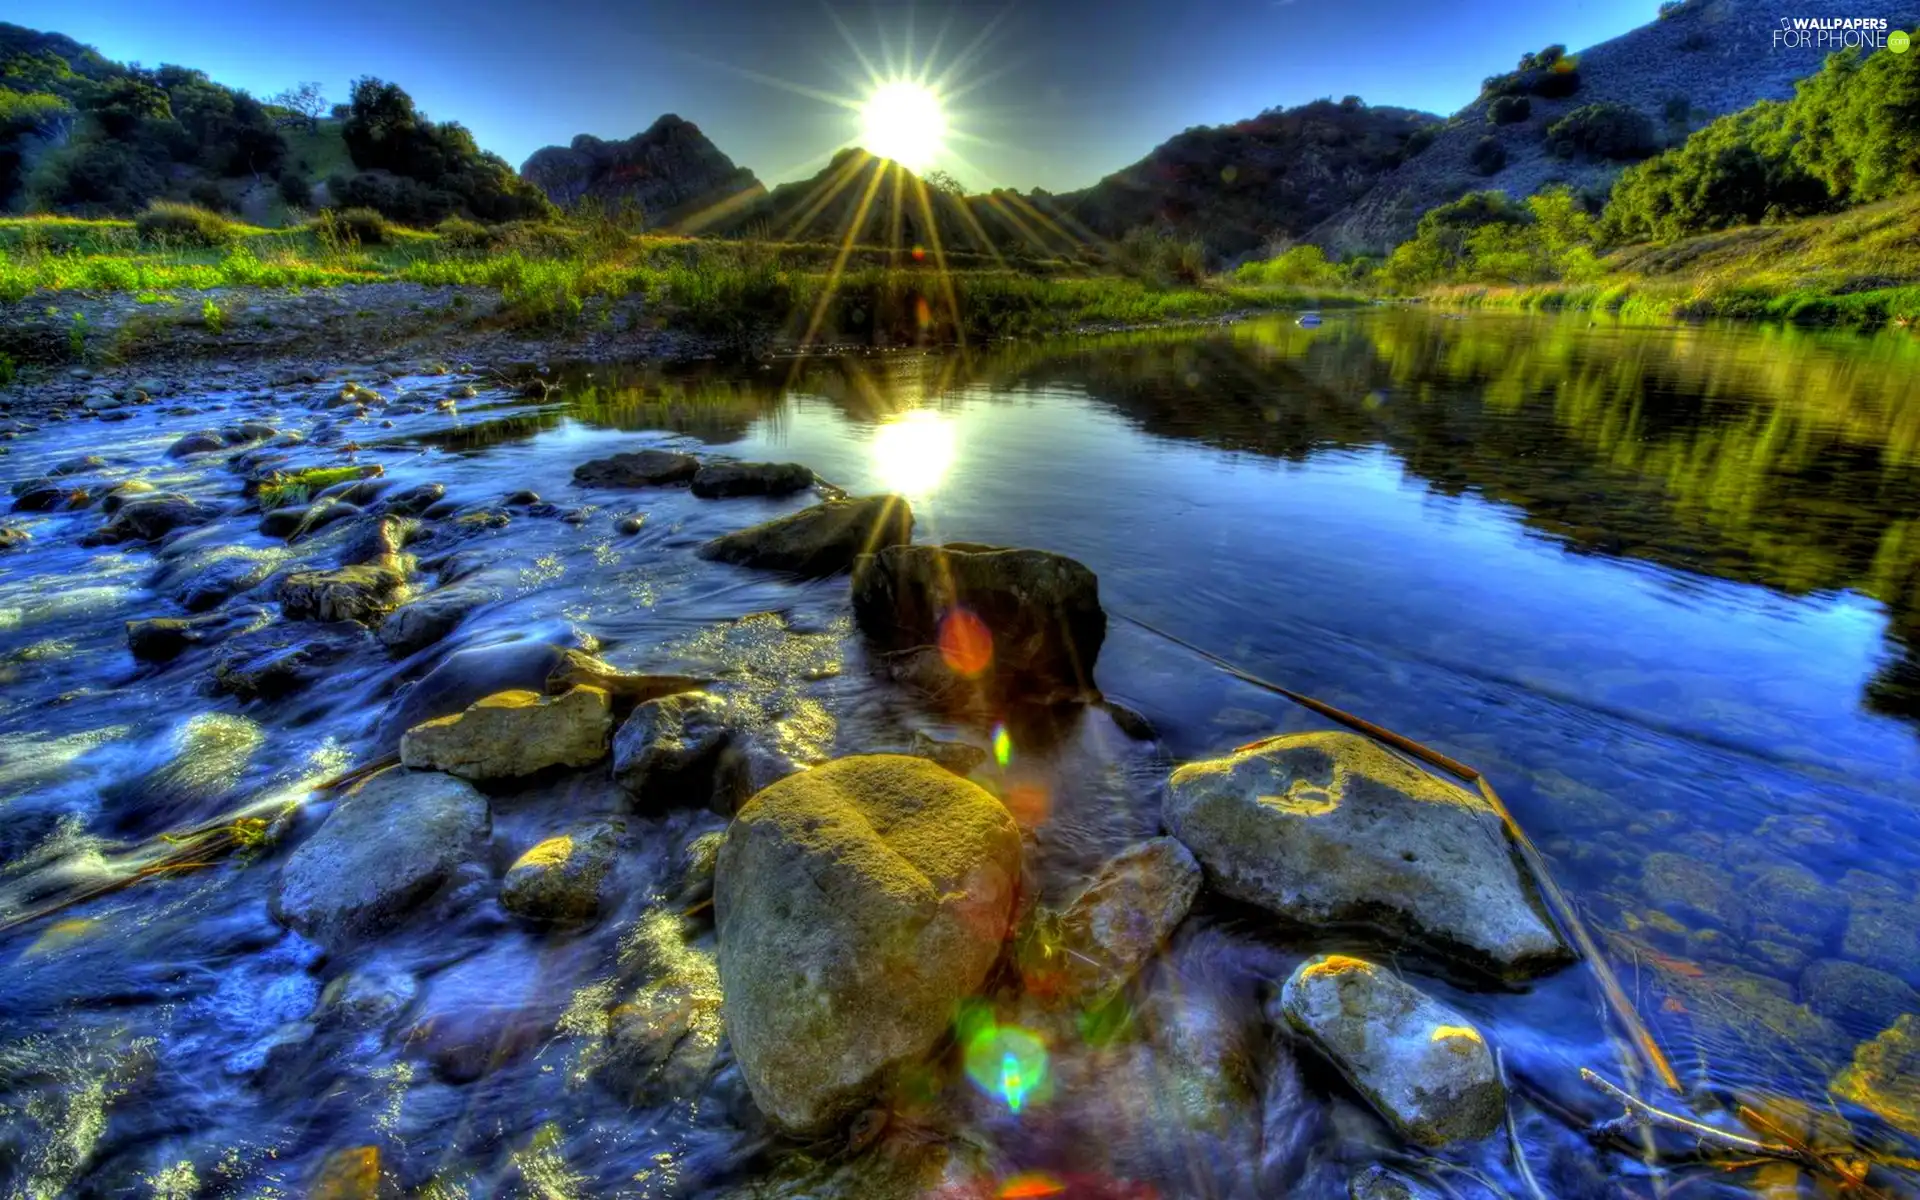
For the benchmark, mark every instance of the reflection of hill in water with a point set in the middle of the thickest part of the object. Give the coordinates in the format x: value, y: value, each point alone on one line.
x: 1777, y: 457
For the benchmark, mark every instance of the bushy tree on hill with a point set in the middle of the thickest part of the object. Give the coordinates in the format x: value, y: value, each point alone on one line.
x: 418, y: 171
x: 1847, y: 137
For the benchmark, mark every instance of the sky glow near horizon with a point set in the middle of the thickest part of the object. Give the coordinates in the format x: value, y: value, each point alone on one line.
x: 1052, y: 95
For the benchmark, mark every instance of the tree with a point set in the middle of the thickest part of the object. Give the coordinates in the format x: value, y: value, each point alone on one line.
x: 306, y: 104
x: 942, y: 181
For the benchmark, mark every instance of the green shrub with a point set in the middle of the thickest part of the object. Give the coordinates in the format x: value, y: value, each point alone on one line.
x: 1557, y: 82
x: 1509, y: 110
x: 1418, y: 141
x: 533, y: 239
x: 165, y: 221
x: 366, y: 226
x: 1488, y: 156
x: 1611, y: 131
x: 461, y: 234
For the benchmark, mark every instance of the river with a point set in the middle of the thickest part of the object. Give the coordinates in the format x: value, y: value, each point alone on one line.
x: 1660, y: 584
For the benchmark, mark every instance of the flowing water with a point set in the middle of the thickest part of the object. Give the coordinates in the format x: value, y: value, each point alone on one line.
x: 1662, y: 585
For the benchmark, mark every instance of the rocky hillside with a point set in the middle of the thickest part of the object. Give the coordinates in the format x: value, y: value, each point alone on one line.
x: 674, y: 174
x: 1237, y: 187
x: 1705, y: 59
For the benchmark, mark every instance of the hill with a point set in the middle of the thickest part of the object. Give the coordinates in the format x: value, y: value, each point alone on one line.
x: 1273, y: 177
x: 672, y: 172
x: 1704, y: 59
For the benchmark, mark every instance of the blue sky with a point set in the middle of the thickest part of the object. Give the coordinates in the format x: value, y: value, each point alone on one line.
x: 1064, y: 92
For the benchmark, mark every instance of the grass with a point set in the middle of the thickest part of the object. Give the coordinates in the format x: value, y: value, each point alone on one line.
x: 1859, y: 268
x: 562, y: 276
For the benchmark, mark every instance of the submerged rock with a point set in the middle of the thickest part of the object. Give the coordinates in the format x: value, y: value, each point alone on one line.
x: 821, y: 540
x: 638, y: 468
x: 1020, y: 624
x: 1379, y: 1183
x: 857, y: 904
x: 722, y: 479
x: 205, y: 441
x: 559, y: 878
x: 1885, y: 1075
x: 485, y: 1011
x: 12, y: 537
x: 363, y: 593
x: 1327, y: 828
x: 281, y: 659
x: 420, y: 623
x: 1120, y: 919
x: 1691, y: 890
x: 677, y: 750
x: 150, y: 518
x: 416, y: 500
x: 1421, y: 1064
x: 122, y: 492
x: 511, y: 734
x: 161, y: 639
x: 1862, y: 999
x: 387, y: 845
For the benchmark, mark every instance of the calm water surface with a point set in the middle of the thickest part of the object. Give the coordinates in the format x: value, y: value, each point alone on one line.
x: 1661, y: 585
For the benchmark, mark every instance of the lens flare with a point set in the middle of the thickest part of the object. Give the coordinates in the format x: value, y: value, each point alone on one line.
x: 1010, y: 1064
x: 1002, y: 745
x: 1028, y: 1185
x: 966, y: 644
x: 913, y: 452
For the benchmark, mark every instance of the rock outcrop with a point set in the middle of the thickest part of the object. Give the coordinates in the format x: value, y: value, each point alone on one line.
x: 637, y: 468
x: 671, y: 172
x: 1328, y: 828
x: 1421, y: 1064
x: 511, y: 734
x: 387, y: 845
x: 1019, y: 624
x: 858, y: 902
x: 822, y: 540
x: 716, y: 481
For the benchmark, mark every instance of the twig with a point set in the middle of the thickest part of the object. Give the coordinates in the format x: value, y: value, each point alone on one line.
x: 1520, y: 1166
x: 1639, y: 1114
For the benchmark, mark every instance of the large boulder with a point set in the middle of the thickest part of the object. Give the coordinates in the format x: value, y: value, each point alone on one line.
x: 719, y: 480
x: 388, y: 844
x: 857, y: 902
x: 1420, y: 1063
x: 1021, y: 624
x: 1328, y: 828
x: 511, y: 734
x: 822, y: 540
x: 638, y: 468
x: 363, y: 593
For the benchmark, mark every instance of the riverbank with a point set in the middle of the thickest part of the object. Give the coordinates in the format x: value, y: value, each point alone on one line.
x: 1856, y: 269
x: 83, y: 293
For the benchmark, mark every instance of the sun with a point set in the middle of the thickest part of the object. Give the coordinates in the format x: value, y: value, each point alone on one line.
x: 904, y: 120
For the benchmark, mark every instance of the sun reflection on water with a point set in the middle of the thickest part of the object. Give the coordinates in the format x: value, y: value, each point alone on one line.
x: 913, y: 452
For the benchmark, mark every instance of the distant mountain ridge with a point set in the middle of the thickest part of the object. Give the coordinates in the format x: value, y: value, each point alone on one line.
x: 671, y: 170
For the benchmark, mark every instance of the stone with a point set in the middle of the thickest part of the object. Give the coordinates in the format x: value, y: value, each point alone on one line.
x: 1379, y: 1183
x: 667, y: 1038
x: 1019, y: 624
x: 363, y: 593
x: 368, y: 996
x: 578, y: 668
x: 387, y: 845
x: 511, y: 734
x: 1883, y: 933
x: 279, y: 660
x: 1885, y: 1075
x: 638, y: 468
x: 83, y: 465
x: 45, y: 495
x: 1422, y: 1065
x: 679, y: 750
x: 1328, y: 828
x: 415, y: 501
x: 719, y: 480
x: 558, y: 880
x: 12, y: 537
x: 824, y: 539
x: 203, y: 442
x: 221, y: 579
x: 377, y: 540
x: 488, y: 1010
x: 304, y: 520
x: 150, y: 518
x: 470, y: 675
x: 1691, y: 890
x: 1795, y: 899
x: 122, y: 492
x: 857, y: 903
x: 422, y: 622
x: 1122, y: 917
x: 162, y: 639
x: 630, y: 525
x: 1861, y: 999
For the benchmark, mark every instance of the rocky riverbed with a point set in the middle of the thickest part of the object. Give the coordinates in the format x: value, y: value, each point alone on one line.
x: 786, y: 849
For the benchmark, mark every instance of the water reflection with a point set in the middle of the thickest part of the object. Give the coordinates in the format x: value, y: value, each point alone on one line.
x: 913, y: 452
